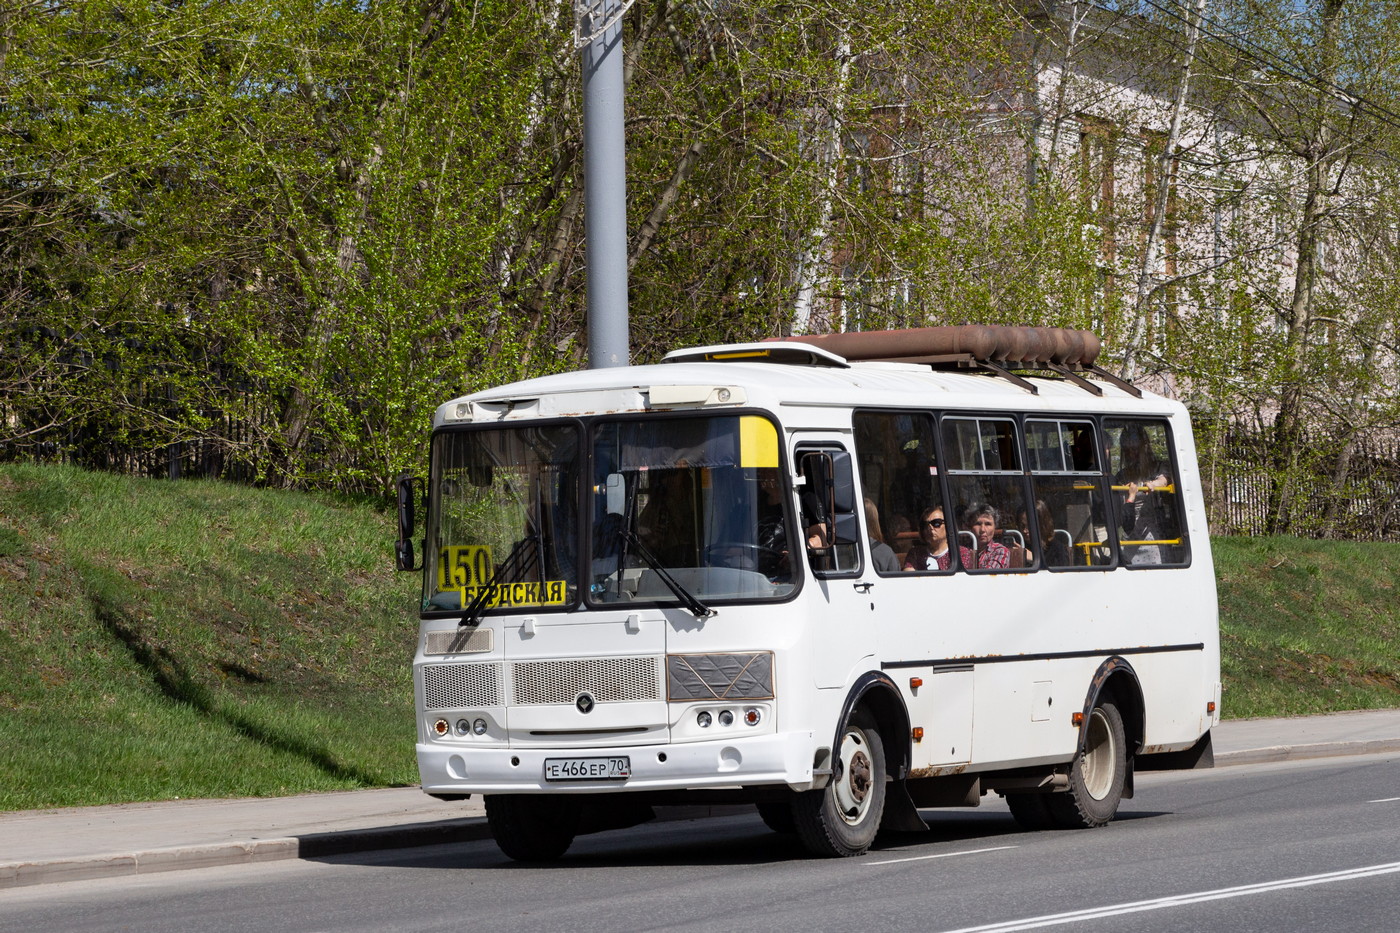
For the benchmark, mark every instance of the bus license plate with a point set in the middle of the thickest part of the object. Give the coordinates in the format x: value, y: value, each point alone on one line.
x: 587, y: 769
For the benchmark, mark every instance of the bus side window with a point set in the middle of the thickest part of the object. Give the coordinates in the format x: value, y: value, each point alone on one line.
x: 989, y: 493
x: 899, y: 473
x: 1147, y: 505
x: 1070, y: 528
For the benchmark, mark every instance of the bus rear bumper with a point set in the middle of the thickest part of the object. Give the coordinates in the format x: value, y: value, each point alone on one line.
x: 785, y: 758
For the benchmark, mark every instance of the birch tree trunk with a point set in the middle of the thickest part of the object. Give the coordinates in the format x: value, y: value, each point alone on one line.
x: 1166, y: 175
x: 1322, y: 156
x: 814, y: 262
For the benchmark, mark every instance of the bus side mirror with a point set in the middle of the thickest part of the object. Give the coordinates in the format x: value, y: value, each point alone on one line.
x: 843, y: 499
x: 403, y: 547
x: 817, y: 502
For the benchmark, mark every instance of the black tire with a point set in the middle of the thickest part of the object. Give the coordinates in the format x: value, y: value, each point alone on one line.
x: 1030, y: 811
x: 1098, y: 774
x: 841, y: 819
x: 532, y: 828
x: 777, y: 816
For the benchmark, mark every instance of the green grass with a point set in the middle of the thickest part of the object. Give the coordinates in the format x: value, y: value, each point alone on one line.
x: 200, y: 639
x: 1308, y: 626
x: 196, y: 639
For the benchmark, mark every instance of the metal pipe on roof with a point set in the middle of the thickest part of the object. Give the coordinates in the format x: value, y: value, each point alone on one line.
x: 1064, y: 346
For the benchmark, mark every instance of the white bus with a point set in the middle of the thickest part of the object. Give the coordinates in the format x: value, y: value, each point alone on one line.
x: 841, y: 578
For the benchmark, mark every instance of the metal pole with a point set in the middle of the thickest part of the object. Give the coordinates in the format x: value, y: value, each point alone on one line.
x: 604, y: 183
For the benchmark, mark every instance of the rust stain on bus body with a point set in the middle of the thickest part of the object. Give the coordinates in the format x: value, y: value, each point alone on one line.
x: 937, y: 771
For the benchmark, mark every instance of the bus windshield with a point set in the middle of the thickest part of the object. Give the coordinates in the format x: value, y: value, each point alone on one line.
x: 694, y: 503
x: 698, y: 499
x: 503, y: 519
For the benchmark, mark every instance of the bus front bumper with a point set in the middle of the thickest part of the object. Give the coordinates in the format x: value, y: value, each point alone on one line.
x: 785, y: 758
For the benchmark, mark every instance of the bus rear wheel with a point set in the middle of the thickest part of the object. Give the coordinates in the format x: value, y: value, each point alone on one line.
x: 1099, y: 772
x: 841, y: 819
x: 532, y: 828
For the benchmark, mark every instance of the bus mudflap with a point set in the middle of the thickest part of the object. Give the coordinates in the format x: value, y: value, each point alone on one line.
x: 1200, y: 755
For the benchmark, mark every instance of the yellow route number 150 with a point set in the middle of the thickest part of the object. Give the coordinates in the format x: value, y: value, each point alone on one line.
x: 467, y: 568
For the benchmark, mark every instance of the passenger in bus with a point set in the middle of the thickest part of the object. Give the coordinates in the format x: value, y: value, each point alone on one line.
x: 983, y: 519
x: 881, y: 554
x: 1140, y: 517
x: 932, y: 552
x: 1052, y: 547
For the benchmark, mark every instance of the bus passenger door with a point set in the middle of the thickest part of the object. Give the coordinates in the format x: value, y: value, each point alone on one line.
x: 842, y: 625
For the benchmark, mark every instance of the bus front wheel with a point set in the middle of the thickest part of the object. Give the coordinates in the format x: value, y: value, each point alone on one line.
x: 841, y: 819
x: 1099, y: 772
x: 532, y: 828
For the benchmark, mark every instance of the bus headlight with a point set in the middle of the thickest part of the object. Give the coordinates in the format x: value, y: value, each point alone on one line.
x: 462, y: 727
x: 726, y: 717
x: 479, y: 727
x: 703, y: 719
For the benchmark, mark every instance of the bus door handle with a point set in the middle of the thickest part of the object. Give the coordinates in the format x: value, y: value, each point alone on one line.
x: 863, y: 587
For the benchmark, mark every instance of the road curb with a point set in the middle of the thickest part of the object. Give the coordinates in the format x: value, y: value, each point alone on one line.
x: 1254, y: 756
x: 309, y: 846
x: 180, y: 858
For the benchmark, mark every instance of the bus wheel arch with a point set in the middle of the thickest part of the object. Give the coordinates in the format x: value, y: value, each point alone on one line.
x: 1110, y: 732
x: 876, y: 693
x: 1116, y: 680
x: 842, y: 818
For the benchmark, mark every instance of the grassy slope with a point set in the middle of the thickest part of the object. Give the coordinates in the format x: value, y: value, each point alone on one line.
x: 1308, y: 626
x: 196, y: 639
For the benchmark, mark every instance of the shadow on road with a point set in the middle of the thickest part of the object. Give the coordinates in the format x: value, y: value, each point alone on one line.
x: 740, y: 840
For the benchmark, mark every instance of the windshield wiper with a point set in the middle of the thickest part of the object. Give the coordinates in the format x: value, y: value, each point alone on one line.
x: 687, y: 598
x: 507, y: 568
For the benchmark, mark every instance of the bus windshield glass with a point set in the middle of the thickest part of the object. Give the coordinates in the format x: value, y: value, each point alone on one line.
x: 503, y: 519
x: 697, y: 499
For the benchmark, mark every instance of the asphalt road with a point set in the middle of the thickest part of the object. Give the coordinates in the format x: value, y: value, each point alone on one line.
x: 1312, y: 845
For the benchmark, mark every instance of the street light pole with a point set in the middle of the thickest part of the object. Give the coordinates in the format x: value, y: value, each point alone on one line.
x: 604, y: 180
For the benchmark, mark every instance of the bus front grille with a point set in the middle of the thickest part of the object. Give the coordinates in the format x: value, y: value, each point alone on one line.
x: 609, y: 680
x: 452, y: 686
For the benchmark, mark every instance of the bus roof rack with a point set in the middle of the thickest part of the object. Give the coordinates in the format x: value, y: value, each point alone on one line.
x: 962, y: 343
x: 1005, y: 351
x: 998, y: 349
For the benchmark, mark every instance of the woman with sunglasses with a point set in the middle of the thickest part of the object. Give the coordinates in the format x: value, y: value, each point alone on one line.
x: 931, y: 553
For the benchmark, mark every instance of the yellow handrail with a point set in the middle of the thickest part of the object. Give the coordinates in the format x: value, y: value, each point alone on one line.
x: 1088, y: 546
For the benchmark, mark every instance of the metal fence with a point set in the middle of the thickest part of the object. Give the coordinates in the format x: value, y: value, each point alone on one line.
x: 1246, y: 494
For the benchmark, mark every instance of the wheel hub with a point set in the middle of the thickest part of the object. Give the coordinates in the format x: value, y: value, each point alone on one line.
x: 856, y: 779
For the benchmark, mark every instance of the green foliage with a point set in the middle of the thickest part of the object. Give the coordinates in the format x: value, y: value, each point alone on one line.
x: 1307, y: 626
x: 196, y: 639
x: 285, y: 232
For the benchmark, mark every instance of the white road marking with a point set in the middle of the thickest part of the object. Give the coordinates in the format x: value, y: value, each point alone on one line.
x: 1384, y: 800
x: 920, y: 858
x: 1180, y: 900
